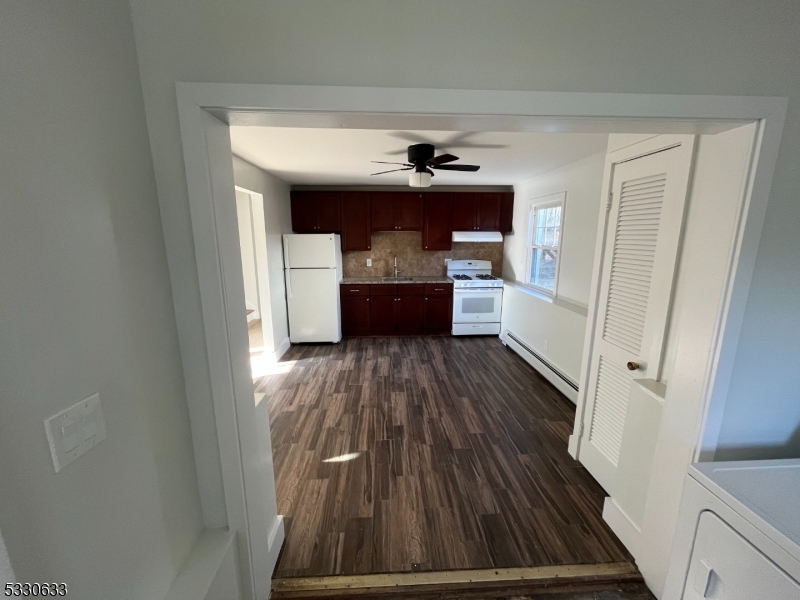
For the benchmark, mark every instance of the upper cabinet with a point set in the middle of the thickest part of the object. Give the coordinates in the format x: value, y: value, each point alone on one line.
x: 437, y: 234
x: 316, y: 212
x: 436, y: 214
x: 506, y: 212
x: 477, y: 211
x: 396, y: 211
x: 356, y: 221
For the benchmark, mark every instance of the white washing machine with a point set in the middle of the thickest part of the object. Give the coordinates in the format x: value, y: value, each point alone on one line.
x: 738, y: 535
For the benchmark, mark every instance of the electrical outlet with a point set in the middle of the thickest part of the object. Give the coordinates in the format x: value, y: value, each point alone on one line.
x: 369, y: 262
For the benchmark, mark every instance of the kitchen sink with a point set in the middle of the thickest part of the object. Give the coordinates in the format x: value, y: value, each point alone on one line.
x: 396, y: 279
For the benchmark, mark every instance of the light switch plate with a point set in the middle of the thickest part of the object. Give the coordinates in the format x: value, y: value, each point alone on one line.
x: 75, y: 431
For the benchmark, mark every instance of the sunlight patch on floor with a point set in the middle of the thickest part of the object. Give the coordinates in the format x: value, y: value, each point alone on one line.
x: 262, y: 365
x: 343, y: 457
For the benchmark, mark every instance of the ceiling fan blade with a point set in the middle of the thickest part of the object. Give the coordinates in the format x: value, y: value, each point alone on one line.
x: 431, y: 173
x: 392, y: 171
x: 456, y: 167
x: 383, y: 162
x: 443, y: 158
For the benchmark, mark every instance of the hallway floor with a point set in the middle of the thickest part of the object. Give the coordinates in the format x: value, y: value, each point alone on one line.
x: 427, y: 453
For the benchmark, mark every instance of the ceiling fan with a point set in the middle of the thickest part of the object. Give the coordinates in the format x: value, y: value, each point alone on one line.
x: 421, y: 160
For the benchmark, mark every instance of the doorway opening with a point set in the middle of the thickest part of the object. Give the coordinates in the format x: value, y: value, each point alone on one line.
x: 200, y: 122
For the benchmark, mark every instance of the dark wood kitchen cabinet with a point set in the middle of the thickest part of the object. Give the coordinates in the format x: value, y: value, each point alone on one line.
x: 437, y: 231
x: 389, y: 309
x: 396, y: 211
x: 382, y: 314
x: 506, y: 212
x: 438, y: 307
x: 487, y: 215
x: 465, y: 205
x: 356, y: 223
x: 410, y: 303
x: 316, y: 212
x: 477, y: 211
x: 355, y: 301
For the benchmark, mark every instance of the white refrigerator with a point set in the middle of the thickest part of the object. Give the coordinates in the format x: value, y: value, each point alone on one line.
x: 313, y: 269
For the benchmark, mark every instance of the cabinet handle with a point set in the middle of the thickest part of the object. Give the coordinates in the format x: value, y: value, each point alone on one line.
x: 367, y: 299
x: 353, y: 290
x: 438, y: 289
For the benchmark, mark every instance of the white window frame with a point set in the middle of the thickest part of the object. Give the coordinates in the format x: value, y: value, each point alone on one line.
x: 537, y: 204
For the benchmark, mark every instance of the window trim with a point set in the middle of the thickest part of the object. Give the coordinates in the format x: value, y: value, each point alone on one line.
x: 537, y: 204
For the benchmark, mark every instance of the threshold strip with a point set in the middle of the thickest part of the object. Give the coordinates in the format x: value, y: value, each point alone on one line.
x: 515, y: 575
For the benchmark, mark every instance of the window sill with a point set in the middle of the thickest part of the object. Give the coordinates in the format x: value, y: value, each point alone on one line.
x: 565, y: 304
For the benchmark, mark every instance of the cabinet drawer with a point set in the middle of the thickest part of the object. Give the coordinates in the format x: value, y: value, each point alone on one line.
x: 411, y: 289
x: 354, y: 290
x: 438, y: 289
x: 383, y: 289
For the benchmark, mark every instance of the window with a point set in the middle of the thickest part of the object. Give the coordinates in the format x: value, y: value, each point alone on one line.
x: 544, y: 239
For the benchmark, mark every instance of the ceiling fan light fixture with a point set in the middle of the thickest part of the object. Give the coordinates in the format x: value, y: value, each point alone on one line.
x: 419, y: 180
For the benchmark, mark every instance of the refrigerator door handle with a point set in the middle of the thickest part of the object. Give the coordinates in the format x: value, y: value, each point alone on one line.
x: 289, y: 282
x: 286, y: 252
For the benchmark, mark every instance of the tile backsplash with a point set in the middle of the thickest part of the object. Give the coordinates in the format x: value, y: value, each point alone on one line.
x: 412, y: 259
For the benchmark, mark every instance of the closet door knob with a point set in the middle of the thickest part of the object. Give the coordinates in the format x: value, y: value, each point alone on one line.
x: 633, y: 366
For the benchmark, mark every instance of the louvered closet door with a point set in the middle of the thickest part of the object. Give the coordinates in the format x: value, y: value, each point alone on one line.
x: 641, y: 245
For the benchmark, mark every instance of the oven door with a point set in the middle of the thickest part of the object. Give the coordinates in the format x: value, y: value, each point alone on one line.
x: 477, y: 305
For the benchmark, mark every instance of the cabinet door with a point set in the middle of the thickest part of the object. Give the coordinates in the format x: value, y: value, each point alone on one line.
x: 355, y: 315
x: 437, y: 232
x: 329, y: 216
x: 304, y: 212
x: 382, y: 316
x: 408, y: 211
x: 356, y: 232
x: 488, y: 215
x: 438, y: 313
x: 382, y: 211
x: 506, y: 212
x: 464, y: 211
x: 410, y: 313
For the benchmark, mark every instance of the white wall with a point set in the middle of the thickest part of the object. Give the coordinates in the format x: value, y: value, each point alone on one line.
x: 248, y: 251
x: 277, y: 221
x: 581, y: 181
x: 719, y: 47
x: 556, y: 330
x: 86, y: 307
x: 6, y: 571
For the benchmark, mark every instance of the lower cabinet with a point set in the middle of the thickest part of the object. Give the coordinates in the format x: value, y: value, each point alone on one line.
x: 438, y: 313
x: 383, y: 314
x: 389, y: 309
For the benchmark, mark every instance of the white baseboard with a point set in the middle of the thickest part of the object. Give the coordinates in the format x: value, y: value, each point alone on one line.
x: 210, y: 570
x: 276, y: 539
x: 281, y: 349
x: 546, y: 372
x: 621, y: 524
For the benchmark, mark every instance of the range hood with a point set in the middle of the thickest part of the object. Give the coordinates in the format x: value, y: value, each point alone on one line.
x: 477, y: 236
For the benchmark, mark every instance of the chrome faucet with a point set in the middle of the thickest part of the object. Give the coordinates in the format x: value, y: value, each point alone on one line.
x: 395, y: 266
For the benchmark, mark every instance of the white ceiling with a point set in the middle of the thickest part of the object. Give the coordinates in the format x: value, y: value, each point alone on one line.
x: 307, y: 156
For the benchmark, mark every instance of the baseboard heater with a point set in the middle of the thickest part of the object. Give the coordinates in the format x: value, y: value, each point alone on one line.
x: 561, y: 380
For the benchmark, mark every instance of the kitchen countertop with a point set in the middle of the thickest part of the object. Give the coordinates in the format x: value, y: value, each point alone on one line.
x: 379, y: 280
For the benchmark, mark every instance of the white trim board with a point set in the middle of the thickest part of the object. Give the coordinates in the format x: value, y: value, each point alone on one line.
x: 227, y: 448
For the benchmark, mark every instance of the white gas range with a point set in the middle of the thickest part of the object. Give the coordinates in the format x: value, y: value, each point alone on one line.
x: 477, y: 297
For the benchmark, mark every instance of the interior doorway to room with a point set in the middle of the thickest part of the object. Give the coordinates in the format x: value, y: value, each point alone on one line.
x: 301, y: 378
x: 255, y: 272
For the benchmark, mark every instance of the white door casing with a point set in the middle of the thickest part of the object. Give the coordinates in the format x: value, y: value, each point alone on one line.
x: 643, y: 232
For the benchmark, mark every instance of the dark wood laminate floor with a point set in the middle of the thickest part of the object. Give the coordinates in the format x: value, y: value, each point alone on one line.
x: 427, y: 453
